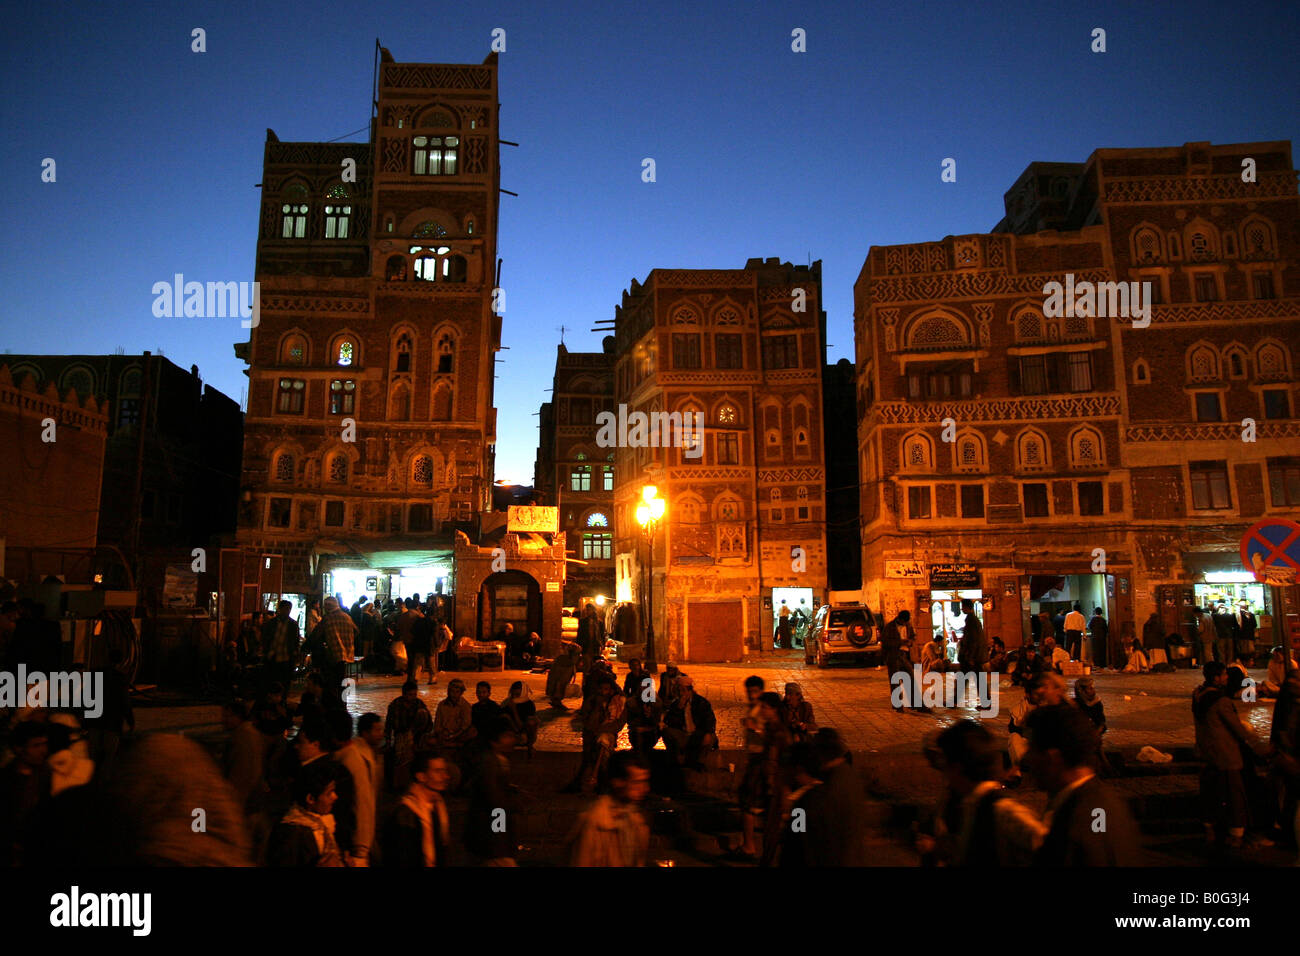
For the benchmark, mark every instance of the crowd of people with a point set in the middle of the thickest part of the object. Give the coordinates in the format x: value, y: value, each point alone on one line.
x: 311, y: 784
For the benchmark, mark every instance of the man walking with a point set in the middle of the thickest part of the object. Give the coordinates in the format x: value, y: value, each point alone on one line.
x: 896, y: 640
x: 335, y: 635
x: 1062, y: 741
x: 1099, y: 638
x: 356, y: 817
x: 973, y: 655
x: 1225, y: 634
x: 613, y: 831
x: 280, y: 640
x: 1075, y: 624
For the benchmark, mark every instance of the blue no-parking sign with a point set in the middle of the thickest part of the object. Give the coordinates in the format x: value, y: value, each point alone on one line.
x: 1271, y: 549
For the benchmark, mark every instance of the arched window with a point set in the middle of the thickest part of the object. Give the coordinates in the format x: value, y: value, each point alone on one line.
x: 729, y: 508
x: 1148, y: 248
x: 338, y: 212
x: 1236, y: 363
x: 1141, y: 373
x: 1086, y: 448
x: 345, y: 352
x: 1029, y: 326
x: 1203, y: 364
x: 685, y: 315
x: 597, y: 519
x: 936, y: 331
x: 1175, y: 247
x: 429, y: 230
x: 435, y: 155
x: 422, y: 471
x: 1257, y: 240
x: 339, y: 469
x: 446, y: 353
x: 970, y: 452
x: 1202, y: 242
x: 455, y: 268
x: 727, y: 415
x: 131, y: 380
x: 918, y: 453
x: 294, y: 351
x: 79, y: 379
x: 778, y: 512
x: 402, y: 353
x: 1271, y: 361
x: 20, y: 372
x: 293, y: 212
x: 284, y: 467
x: 802, y: 428
x: 1032, y: 451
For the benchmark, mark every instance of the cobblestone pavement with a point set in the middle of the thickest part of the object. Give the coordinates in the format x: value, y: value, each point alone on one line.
x: 1141, y: 709
x: 1146, y: 709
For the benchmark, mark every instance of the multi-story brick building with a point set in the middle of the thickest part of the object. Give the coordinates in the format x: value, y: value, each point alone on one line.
x: 51, y: 472
x: 371, y: 430
x: 170, y: 476
x: 1057, y: 458
x: 575, y: 474
x: 744, y: 526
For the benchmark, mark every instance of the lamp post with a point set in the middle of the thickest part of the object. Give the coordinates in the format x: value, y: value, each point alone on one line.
x: 648, y: 513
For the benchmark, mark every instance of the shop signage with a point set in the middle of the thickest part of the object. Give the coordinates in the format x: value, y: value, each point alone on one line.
x: 948, y: 577
x: 1271, y: 549
x: 539, y: 518
x: 914, y: 570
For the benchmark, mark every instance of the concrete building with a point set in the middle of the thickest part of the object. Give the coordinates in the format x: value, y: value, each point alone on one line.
x: 745, y: 521
x: 1027, y: 456
x: 371, y: 429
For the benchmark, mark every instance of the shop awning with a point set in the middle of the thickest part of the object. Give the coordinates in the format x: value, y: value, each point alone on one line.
x: 381, y: 554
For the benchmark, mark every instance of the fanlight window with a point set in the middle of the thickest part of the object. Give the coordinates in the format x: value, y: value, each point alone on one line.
x: 429, y: 230
x: 284, y: 468
x: 597, y: 520
x: 422, y: 471
x: 346, y: 353
x: 727, y: 415
x: 339, y: 469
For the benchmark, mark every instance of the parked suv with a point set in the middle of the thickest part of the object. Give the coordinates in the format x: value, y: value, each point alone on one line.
x: 842, y: 630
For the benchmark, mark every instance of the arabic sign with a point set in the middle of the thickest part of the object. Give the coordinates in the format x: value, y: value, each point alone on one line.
x: 905, y: 569
x: 539, y: 518
x: 948, y: 577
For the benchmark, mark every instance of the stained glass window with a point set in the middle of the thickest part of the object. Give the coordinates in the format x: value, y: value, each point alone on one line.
x: 345, y: 352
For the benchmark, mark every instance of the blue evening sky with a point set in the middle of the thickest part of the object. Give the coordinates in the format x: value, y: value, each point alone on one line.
x: 760, y: 151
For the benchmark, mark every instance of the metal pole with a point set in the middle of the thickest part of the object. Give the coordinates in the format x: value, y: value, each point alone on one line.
x: 651, y: 658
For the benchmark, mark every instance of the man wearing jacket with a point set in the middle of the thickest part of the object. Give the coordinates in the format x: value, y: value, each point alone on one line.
x: 360, y: 758
x: 280, y: 640
x: 690, y: 728
x: 1062, y: 741
x: 973, y: 655
x: 419, y: 832
x: 1220, y: 735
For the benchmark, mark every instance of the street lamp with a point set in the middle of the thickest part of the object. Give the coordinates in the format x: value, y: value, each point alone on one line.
x: 648, y: 513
